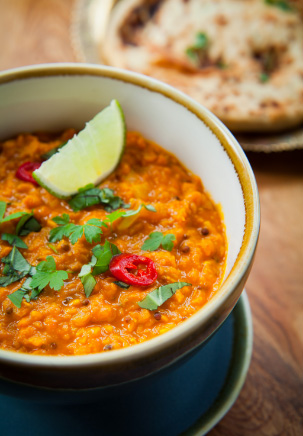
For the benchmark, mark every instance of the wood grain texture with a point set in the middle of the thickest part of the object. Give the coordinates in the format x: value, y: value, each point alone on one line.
x: 271, y: 401
x: 34, y: 32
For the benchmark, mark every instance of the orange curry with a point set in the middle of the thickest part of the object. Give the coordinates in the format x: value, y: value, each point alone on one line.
x: 66, y: 321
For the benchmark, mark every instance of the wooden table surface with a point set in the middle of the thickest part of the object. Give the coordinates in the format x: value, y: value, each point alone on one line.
x: 271, y: 401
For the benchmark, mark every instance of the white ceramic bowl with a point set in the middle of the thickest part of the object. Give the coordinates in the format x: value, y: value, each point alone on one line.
x: 54, y: 97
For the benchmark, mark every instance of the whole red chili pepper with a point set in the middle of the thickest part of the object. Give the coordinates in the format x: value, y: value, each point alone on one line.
x: 25, y: 171
x: 126, y: 267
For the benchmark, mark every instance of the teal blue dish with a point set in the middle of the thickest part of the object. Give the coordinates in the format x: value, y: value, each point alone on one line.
x: 191, y: 397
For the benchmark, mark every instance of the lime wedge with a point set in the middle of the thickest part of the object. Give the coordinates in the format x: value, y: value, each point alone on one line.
x: 87, y: 158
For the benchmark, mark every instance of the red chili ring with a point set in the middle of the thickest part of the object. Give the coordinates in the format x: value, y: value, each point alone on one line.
x: 121, y: 264
x: 25, y: 171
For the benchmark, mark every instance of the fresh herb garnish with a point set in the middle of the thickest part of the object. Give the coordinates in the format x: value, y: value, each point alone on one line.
x: 13, y: 240
x: 90, y: 195
x: 61, y: 220
x: 74, y: 232
x: 197, y: 52
x: 63, y: 229
x: 44, y: 274
x: 131, y: 215
x: 53, y: 248
x: 156, y: 239
x: 103, y: 256
x: 13, y: 216
x: 122, y: 284
x: 282, y: 4
x: 53, y: 151
x: 132, y: 212
x: 27, y: 224
x: 92, y: 229
x: 264, y: 77
x: 99, y: 264
x: 114, y: 216
x: 9, y: 217
x: 47, y: 274
x: 2, y: 210
x: 16, y: 267
x: 24, y: 292
x: 87, y: 279
x: 158, y: 296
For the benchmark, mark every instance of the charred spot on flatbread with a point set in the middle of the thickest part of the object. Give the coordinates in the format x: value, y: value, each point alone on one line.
x: 137, y: 19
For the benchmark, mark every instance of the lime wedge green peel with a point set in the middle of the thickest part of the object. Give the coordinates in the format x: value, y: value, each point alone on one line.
x: 87, y: 158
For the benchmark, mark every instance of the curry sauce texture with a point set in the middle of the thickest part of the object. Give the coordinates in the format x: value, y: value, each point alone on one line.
x: 67, y: 322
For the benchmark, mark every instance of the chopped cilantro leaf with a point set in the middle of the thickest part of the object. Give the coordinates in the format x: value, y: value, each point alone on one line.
x: 150, y: 207
x: 17, y: 297
x: 167, y: 242
x: 13, y: 240
x: 27, y: 224
x: 16, y: 267
x: 61, y: 220
x: 11, y: 277
x: 153, y: 241
x: 90, y: 195
x: 131, y: 215
x: 89, y: 283
x: 132, y: 212
x: 87, y: 278
x: 156, y: 239
x: 122, y: 284
x: 103, y: 255
x: 13, y: 216
x: 111, y: 201
x: 24, y: 292
x: 2, y: 210
x: 53, y: 151
x: 158, y: 296
x: 63, y: 230
x: 53, y: 248
x: 92, y: 229
x: 92, y: 233
x: 16, y: 261
x: 75, y: 231
x: 99, y: 263
x: 109, y: 219
x: 96, y: 222
x: 47, y: 274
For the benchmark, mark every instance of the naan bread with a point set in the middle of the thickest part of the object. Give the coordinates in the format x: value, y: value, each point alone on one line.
x: 242, y: 59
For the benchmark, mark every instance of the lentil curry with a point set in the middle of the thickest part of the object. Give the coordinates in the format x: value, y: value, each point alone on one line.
x: 168, y: 220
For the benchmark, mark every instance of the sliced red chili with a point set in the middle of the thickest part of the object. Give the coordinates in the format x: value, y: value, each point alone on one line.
x: 128, y: 269
x: 25, y: 171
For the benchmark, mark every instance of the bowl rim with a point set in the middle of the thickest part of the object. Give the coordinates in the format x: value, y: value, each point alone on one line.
x: 250, y: 194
